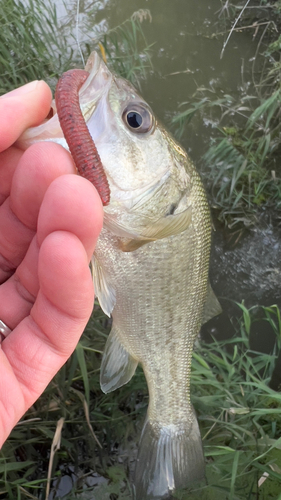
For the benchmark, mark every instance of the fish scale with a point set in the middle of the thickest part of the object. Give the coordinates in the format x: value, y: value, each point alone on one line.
x: 161, y: 289
x: 152, y: 321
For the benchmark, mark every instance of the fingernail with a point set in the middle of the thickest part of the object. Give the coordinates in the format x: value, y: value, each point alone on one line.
x: 25, y: 89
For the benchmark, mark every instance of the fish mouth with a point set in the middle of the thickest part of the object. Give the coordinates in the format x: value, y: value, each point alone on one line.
x: 91, y: 92
x: 96, y: 86
x: 93, y: 100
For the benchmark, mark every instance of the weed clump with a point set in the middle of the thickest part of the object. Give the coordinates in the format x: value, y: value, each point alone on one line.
x: 36, y: 43
x: 239, y: 416
x: 33, y: 43
x: 242, y: 164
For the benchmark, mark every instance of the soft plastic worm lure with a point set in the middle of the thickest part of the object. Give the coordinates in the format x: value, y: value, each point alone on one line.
x: 76, y: 133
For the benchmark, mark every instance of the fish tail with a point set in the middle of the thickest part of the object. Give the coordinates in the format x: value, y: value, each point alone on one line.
x: 169, y: 458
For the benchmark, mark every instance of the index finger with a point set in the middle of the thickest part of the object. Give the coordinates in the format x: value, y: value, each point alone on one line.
x: 24, y: 107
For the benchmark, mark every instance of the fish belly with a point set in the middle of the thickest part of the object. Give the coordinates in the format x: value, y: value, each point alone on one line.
x: 160, y: 293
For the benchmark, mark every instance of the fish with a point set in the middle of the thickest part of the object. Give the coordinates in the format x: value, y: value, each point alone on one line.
x: 150, y: 270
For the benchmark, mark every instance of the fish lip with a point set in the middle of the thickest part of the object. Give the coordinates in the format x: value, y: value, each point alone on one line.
x: 96, y: 85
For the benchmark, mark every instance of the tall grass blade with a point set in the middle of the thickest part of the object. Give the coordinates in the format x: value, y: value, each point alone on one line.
x: 84, y: 370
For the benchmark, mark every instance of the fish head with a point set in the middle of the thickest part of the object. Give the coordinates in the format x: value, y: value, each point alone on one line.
x: 137, y: 153
x: 143, y: 164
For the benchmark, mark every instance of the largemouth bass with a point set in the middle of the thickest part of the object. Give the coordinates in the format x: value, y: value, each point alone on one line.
x: 150, y: 271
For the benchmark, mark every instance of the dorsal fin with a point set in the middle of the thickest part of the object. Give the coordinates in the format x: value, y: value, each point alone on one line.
x: 212, y: 306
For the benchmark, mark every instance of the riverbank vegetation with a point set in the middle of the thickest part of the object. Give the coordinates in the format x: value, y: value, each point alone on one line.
x: 242, y: 165
x: 76, y: 442
x: 239, y: 416
x: 36, y: 43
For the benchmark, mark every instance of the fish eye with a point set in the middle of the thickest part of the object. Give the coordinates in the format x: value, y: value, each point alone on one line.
x: 138, y: 118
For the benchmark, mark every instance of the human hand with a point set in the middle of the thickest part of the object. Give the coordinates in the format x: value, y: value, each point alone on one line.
x: 49, y: 223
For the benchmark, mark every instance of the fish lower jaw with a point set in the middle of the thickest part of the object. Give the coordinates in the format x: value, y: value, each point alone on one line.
x: 133, y: 196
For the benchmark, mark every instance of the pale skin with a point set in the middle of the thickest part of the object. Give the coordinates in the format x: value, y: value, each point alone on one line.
x: 50, y: 220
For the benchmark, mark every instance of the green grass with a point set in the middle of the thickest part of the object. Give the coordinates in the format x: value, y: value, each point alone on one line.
x: 36, y: 44
x: 239, y: 416
x: 126, y: 48
x: 243, y: 162
x: 33, y: 43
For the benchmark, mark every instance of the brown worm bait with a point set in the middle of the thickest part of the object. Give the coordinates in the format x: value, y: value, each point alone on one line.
x: 76, y: 133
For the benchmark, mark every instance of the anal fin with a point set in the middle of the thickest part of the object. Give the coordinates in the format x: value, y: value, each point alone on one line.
x: 117, y: 366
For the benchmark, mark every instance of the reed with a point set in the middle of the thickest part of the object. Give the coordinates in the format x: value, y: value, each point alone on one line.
x: 38, y: 44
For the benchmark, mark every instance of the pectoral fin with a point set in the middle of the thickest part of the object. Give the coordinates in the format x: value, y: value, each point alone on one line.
x: 131, y: 245
x: 103, y: 289
x: 117, y: 366
x: 168, y: 226
x: 162, y: 228
x: 118, y: 229
x: 212, y: 306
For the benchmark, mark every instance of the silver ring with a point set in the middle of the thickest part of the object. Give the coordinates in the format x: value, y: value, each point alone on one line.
x: 4, y: 331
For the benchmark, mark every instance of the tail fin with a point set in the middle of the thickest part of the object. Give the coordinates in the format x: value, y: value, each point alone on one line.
x: 169, y: 458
